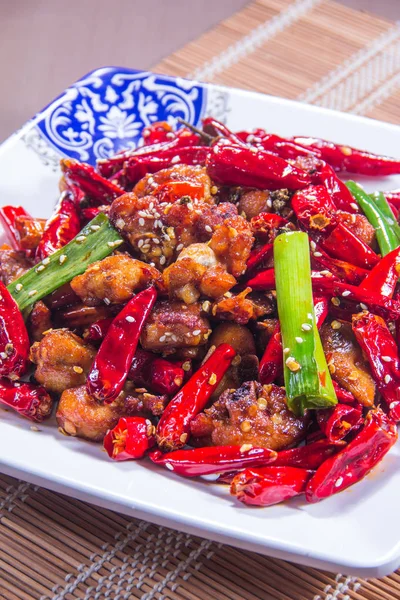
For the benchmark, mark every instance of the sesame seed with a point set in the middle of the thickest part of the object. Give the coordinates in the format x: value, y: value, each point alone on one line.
x: 386, y: 358
x: 208, y: 229
x: 40, y: 268
x: 163, y: 260
x: 78, y: 369
x: 130, y: 319
x: 19, y: 287
x: 310, y: 316
x: 317, y: 254
x: 107, y: 301
x: 162, y: 339
x: 95, y: 227
x: 353, y: 218
x: 141, y: 221
x: 156, y: 241
x: 169, y: 466
x: 326, y: 273
x: 80, y: 238
x: 335, y: 301
x: 173, y: 338
x: 32, y: 293
x: 206, y: 306
x: 213, y: 379
x: 363, y: 306
x: 140, y: 243
x: 339, y: 482
x: 306, y: 327
x: 346, y: 293
x: 392, y: 405
x: 313, y: 245
x: 387, y: 378
x: 286, y: 350
x: 299, y: 340
x: 175, y: 160
x: 3, y: 355
x: 179, y: 247
x: 120, y: 223
x: 246, y: 447
x: 197, y: 332
x: 63, y: 258
x: 46, y: 261
x: 336, y: 325
x: 354, y: 205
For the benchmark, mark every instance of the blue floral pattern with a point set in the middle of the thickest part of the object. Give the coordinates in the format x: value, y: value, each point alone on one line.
x: 106, y: 111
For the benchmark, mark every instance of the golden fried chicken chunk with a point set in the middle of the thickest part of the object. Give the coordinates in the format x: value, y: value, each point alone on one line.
x: 253, y: 202
x: 346, y: 362
x: 253, y: 414
x: 63, y: 360
x: 39, y: 321
x: 13, y: 264
x: 232, y: 243
x: 114, y: 280
x: 80, y: 415
x: 173, y: 325
x: 243, y: 307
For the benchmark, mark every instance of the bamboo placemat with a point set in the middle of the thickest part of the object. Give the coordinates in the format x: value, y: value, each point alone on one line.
x: 53, y: 547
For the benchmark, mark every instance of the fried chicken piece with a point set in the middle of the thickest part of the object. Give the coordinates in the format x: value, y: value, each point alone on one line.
x: 359, y: 225
x: 241, y: 308
x: 232, y: 243
x: 253, y: 414
x: 239, y: 337
x: 39, y: 321
x: 63, y: 360
x: 13, y: 264
x: 346, y: 362
x: 143, y: 404
x: 173, y: 325
x: 114, y: 280
x: 196, y: 273
x: 80, y: 415
x: 153, y: 184
x: 253, y: 202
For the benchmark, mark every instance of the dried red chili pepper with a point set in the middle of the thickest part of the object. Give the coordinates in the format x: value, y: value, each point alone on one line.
x: 258, y: 256
x: 274, y: 143
x: 89, y: 213
x: 213, y: 459
x: 60, y: 229
x: 314, y: 208
x: 157, y: 132
x: 343, y: 395
x: 8, y: 216
x: 137, y: 167
x: 130, y: 439
x: 264, y: 280
x: 269, y: 485
x: 348, y: 159
x: 165, y: 377
x: 113, y: 360
x: 310, y: 456
x: 338, y: 191
x: 14, y: 339
x: 342, y: 243
x: 237, y: 165
x: 393, y: 197
x: 96, y: 187
x: 271, y: 364
x: 374, y: 300
x: 139, y: 369
x: 340, y: 268
x: 337, y: 422
x: 183, y: 139
x: 357, y: 459
x: 173, y: 427
x: 384, y: 276
x: 217, y: 129
x: 172, y: 191
x: 97, y: 330
x: 380, y: 348
x: 31, y: 401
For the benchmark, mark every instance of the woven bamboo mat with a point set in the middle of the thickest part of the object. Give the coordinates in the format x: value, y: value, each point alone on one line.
x: 52, y: 547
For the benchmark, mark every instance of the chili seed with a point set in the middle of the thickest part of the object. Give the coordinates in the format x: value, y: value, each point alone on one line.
x: 245, y: 426
x: 213, y: 379
x: 246, y: 447
x: 78, y: 369
x: 336, y: 325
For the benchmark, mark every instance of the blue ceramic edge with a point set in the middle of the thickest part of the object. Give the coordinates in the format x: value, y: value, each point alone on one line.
x: 105, y: 111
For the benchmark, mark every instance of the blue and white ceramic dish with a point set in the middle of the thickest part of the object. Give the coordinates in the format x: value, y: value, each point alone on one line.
x: 356, y: 532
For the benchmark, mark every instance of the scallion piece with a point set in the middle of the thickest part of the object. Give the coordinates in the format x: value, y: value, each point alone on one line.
x: 307, y: 379
x: 385, y: 235
x: 383, y: 205
x: 96, y: 241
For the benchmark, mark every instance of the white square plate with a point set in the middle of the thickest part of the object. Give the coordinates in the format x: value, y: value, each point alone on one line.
x: 356, y: 532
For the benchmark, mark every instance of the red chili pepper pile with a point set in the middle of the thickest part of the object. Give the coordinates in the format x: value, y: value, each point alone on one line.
x: 174, y: 403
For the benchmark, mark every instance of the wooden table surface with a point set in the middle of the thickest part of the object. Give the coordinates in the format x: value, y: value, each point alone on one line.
x: 47, y: 44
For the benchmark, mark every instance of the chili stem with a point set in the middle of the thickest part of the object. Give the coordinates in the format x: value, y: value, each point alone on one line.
x: 96, y: 241
x: 307, y: 379
x: 385, y: 235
